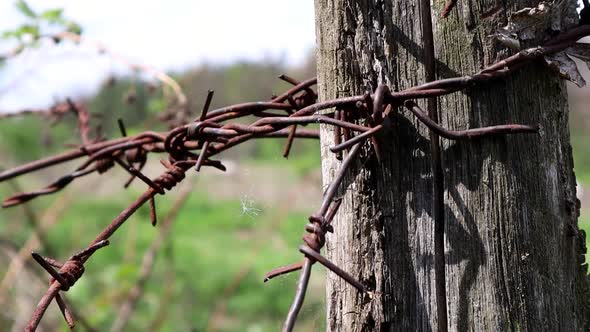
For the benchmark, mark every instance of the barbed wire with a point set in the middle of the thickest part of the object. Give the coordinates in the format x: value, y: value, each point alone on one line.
x: 356, y: 119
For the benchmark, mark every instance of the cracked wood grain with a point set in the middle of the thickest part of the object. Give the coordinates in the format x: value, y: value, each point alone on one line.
x: 513, y: 252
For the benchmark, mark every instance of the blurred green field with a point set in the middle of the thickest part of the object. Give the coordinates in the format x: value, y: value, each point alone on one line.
x: 215, y: 244
x: 231, y: 231
x: 211, y: 243
x: 227, y: 236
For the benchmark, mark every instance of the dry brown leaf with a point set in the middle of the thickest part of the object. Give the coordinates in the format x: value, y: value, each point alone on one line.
x: 563, y: 62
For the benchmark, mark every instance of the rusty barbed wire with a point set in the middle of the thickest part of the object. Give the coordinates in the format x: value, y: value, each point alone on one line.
x: 69, y: 272
x: 357, y: 119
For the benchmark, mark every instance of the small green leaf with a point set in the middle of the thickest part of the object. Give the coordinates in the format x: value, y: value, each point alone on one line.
x: 28, y: 29
x: 25, y: 9
x: 9, y: 34
x: 53, y: 15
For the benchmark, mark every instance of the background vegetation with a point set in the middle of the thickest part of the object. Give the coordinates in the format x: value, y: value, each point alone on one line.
x: 233, y: 229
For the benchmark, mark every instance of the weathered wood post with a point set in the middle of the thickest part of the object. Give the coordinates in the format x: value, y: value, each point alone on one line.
x: 501, y: 222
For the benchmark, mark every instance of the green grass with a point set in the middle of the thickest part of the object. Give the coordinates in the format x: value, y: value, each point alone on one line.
x: 211, y: 242
x: 30, y: 137
x: 304, y: 156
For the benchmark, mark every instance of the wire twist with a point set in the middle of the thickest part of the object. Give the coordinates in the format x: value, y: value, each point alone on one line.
x: 170, y: 178
x: 70, y: 272
x: 103, y: 165
x: 316, y: 232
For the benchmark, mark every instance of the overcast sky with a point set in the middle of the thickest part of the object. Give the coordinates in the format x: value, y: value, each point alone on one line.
x: 170, y: 35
